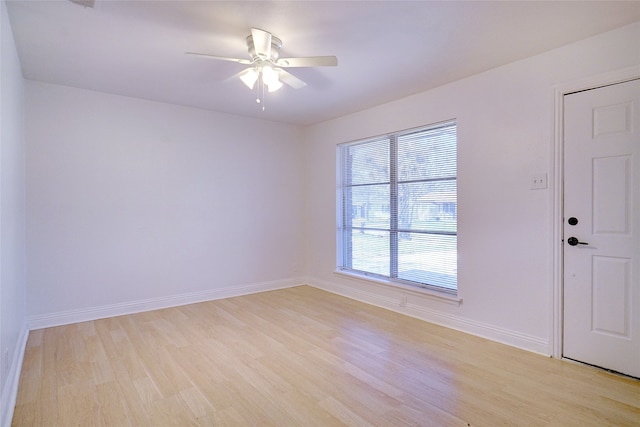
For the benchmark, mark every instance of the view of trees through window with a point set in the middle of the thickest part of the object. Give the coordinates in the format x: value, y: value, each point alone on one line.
x: 398, y: 217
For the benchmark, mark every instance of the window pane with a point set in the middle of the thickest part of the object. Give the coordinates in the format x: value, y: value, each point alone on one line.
x: 367, y: 163
x: 428, y: 206
x: 428, y: 258
x: 370, y: 251
x: 369, y: 206
x: 427, y: 154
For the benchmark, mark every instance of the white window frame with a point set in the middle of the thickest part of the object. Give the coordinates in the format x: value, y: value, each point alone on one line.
x: 344, y: 229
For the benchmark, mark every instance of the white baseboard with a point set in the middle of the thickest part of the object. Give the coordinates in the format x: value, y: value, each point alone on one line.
x: 10, y: 391
x: 101, y: 312
x: 413, y: 309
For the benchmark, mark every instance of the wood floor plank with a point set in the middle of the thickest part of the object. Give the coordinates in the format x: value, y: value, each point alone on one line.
x: 113, y: 407
x: 302, y: 357
x: 78, y: 405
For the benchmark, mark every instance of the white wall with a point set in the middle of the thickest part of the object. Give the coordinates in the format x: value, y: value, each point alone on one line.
x: 133, y: 204
x: 505, y: 134
x: 13, y: 330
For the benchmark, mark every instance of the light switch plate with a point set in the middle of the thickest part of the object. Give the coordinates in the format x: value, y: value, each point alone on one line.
x: 538, y: 181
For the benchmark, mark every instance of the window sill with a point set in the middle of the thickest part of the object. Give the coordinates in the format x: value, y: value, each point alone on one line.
x: 422, y: 292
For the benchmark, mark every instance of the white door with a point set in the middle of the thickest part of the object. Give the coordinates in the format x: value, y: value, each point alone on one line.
x: 602, y: 227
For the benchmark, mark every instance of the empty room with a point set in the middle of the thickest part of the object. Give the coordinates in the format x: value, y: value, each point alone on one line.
x: 319, y: 213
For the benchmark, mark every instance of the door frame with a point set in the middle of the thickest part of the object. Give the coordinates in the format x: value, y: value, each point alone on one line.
x: 557, y: 178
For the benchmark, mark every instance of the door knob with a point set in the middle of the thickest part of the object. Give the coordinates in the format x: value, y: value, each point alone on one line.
x: 573, y: 241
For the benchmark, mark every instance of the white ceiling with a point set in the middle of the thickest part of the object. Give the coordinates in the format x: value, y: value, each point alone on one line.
x: 386, y: 49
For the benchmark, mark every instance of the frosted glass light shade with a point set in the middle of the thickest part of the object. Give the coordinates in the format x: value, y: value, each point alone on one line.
x: 274, y: 86
x: 249, y: 77
x: 269, y: 75
x: 270, y: 78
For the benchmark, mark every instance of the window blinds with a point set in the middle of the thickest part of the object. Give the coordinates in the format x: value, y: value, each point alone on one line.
x: 398, y: 216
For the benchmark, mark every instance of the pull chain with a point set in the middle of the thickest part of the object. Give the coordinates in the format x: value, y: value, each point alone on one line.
x: 260, y: 100
x: 258, y: 91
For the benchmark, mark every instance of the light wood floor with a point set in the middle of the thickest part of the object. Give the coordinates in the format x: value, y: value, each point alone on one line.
x: 302, y: 357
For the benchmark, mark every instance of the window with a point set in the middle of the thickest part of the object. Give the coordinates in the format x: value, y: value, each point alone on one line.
x: 397, y: 216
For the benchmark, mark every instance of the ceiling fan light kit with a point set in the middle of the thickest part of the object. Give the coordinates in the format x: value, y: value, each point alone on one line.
x: 264, y: 50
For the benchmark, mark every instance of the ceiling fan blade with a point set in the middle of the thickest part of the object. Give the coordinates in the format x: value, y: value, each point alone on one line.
x: 221, y: 58
x: 310, y: 61
x: 261, y: 43
x: 290, y: 79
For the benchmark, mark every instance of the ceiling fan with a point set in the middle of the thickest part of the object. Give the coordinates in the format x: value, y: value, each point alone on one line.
x: 264, y: 50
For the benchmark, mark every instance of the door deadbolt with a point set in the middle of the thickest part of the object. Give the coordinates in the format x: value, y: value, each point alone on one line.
x: 573, y: 220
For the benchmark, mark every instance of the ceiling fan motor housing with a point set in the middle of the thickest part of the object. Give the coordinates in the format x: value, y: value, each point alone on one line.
x: 276, y: 44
